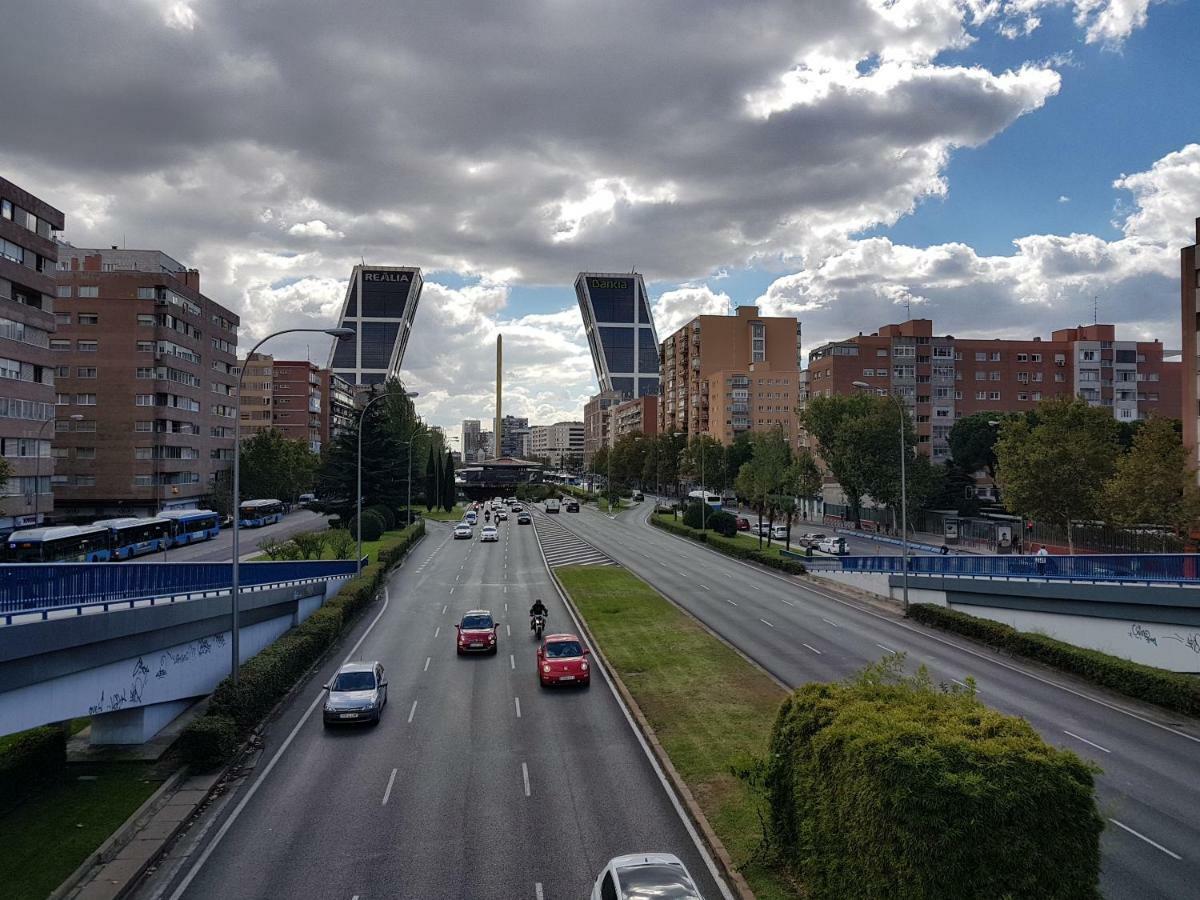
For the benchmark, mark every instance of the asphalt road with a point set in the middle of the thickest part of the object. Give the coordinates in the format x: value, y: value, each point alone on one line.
x: 218, y: 549
x: 1149, y: 791
x: 477, y: 784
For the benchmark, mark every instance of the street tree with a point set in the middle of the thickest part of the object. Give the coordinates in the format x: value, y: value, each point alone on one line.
x: 806, y: 477
x: 702, y: 461
x: 972, y: 442
x: 827, y: 420
x: 449, y: 490
x: 1055, y: 471
x: 1153, y: 483
x: 432, y: 482
x: 764, y: 478
x: 274, y: 466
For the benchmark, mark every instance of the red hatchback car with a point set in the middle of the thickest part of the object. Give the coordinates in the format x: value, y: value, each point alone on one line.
x: 743, y: 524
x: 477, y: 632
x: 562, y: 659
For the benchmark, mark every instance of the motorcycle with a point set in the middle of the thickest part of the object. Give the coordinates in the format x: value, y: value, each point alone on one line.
x: 539, y: 625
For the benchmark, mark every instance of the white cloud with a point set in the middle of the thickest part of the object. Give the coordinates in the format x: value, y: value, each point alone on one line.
x: 314, y: 228
x: 1106, y: 22
x: 1063, y: 198
x: 674, y: 309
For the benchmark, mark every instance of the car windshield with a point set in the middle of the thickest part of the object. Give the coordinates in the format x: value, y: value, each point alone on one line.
x: 477, y: 622
x: 354, y: 681
x: 658, y: 881
x: 563, y: 649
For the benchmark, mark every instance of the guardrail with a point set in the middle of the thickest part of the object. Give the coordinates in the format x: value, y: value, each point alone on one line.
x: 1175, y: 568
x: 33, y: 587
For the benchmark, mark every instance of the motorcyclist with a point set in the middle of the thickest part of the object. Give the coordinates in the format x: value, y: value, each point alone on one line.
x: 487, y: 516
x: 538, y: 609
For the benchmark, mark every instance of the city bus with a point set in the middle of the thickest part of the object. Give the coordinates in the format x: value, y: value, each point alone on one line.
x: 130, y: 537
x: 190, y: 526
x: 256, y: 513
x: 60, y: 543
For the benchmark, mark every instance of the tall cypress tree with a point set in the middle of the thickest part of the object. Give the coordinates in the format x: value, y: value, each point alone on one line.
x: 431, y: 482
x: 448, y: 493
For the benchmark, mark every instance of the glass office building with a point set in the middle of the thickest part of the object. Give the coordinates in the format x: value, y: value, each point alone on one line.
x: 616, y: 317
x: 380, y: 305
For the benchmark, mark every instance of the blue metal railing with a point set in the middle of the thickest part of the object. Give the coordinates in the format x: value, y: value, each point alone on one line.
x: 26, y: 587
x: 1177, y: 568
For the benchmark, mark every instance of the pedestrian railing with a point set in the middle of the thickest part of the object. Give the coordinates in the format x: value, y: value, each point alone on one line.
x: 1175, y: 568
x: 34, y: 587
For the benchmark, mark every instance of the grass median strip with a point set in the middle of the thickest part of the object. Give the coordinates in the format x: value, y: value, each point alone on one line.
x: 710, y: 709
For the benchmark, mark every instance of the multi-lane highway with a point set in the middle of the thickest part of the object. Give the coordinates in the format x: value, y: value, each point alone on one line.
x: 476, y: 784
x: 1150, y: 790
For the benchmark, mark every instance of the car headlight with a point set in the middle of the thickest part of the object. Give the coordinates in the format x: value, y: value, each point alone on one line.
x: 583, y: 666
x: 492, y: 637
x: 546, y: 669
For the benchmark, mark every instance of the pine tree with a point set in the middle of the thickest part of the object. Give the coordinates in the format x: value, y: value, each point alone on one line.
x: 448, y: 489
x: 431, y: 482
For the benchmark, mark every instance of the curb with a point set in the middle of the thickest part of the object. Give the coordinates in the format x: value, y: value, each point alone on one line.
x: 126, y: 831
x: 730, y: 871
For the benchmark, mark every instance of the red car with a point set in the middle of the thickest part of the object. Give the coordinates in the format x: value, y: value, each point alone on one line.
x: 562, y: 659
x: 743, y: 524
x: 477, y: 632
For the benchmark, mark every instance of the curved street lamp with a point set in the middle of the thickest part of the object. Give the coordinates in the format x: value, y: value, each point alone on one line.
x: 862, y: 385
x: 341, y: 334
x: 362, y: 416
x: 37, y: 478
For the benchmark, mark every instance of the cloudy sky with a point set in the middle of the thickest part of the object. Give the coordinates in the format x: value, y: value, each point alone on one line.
x: 996, y: 165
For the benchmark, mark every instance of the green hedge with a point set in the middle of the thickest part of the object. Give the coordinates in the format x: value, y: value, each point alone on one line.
x: 1168, y: 689
x: 729, y: 546
x: 372, y: 525
x: 32, y: 758
x: 266, y: 677
x: 889, y: 787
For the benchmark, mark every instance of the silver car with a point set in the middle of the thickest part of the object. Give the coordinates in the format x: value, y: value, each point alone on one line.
x: 357, y: 693
x: 642, y: 876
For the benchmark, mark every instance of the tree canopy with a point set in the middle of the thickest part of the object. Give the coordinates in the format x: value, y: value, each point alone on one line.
x: 1153, y: 483
x: 276, y: 467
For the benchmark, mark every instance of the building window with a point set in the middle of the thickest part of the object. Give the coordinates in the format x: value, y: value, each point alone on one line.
x: 994, y: 376
x: 59, y: 344
x: 146, y: 372
x: 89, y: 290
x: 144, y: 400
x: 85, y: 452
x: 881, y: 352
x: 145, y: 319
x: 868, y: 373
x: 1036, y: 357
x: 88, y: 319
x: 980, y: 356
x: 85, y: 399
x: 1022, y: 395
x: 62, y: 318
x: 1022, y: 357
x: 64, y: 290
x: 758, y: 342
x: 1037, y: 396
x: 85, y: 372
x: 1087, y: 355
x: 62, y: 371
x: 980, y: 375
x: 1023, y: 377
x: 145, y: 346
x: 145, y: 293
x: 1059, y: 377
x: 62, y: 399
x: 86, y: 425
x: 958, y: 395
x: 994, y: 395
x: 1126, y: 413
x: 87, y: 346
x: 981, y: 395
x: 143, y: 425
x: 141, y: 480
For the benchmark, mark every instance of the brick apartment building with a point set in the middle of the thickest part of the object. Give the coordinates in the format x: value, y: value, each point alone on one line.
x: 298, y: 401
x: 1189, y: 302
x: 28, y: 254
x: 597, y: 423
x: 258, y: 394
x: 337, y: 410
x: 723, y: 375
x: 151, y: 365
x: 943, y: 378
x: 636, y: 416
x: 561, y: 443
x: 296, y: 397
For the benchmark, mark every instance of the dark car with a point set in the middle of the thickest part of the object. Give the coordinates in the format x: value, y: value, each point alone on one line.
x: 743, y: 524
x: 357, y: 694
x: 571, y: 506
x: 524, y: 519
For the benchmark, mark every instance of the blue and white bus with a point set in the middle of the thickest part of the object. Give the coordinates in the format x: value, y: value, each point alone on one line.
x: 130, y: 537
x: 256, y: 513
x: 60, y: 543
x: 190, y: 526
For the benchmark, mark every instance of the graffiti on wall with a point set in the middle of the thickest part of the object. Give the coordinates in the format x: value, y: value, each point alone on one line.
x: 130, y: 688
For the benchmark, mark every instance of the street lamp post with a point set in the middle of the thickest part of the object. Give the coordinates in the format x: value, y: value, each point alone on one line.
x: 362, y: 417
x: 37, y: 478
x: 862, y: 385
x: 341, y: 334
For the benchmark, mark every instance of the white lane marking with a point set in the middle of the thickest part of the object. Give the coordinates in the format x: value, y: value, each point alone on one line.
x: 964, y: 684
x: 437, y: 631
x: 452, y: 590
x: 508, y: 631
x: 706, y: 587
x: 765, y: 622
x: 1086, y: 741
x: 525, y: 777
x: 388, y: 792
x: 813, y: 649
x: 445, y: 607
x: 788, y: 602
x: 512, y: 661
x: 830, y: 622
x: 506, y: 605
x: 883, y: 647
x: 537, y: 891
x: 731, y: 602
x: 517, y: 701
x: 506, y: 591
x: 249, y: 795
x: 412, y: 712
x: 1137, y: 834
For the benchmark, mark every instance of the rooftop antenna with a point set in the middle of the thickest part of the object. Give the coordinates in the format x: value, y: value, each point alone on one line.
x: 907, y: 307
x: 1095, y: 309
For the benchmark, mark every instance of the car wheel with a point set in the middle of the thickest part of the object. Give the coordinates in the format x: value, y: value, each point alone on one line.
x: 495, y: 649
x: 326, y: 724
x: 458, y: 650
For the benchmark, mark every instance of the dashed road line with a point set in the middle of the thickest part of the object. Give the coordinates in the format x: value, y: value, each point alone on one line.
x: 813, y: 649
x: 1086, y: 741
x: 388, y: 792
x: 731, y: 602
x: 512, y: 661
x: 885, y: 647
x: 517, y: 702
x: 427, y: 661
x: 1138, y: 834
x: 525, y: 777
x: 412, y: 712
x: 830, y: 622
x: 437, y: 631
x: 444, y: 608
x: 765, y: 622
x: 788, y: 602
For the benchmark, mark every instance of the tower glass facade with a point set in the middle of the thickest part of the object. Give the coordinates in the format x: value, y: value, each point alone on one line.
x: 620, y: 332
x: 380, y: 305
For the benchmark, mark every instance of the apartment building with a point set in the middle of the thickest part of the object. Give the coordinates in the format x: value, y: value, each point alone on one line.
x: 514, y: 438
x: 258, y: 394
x: 636, y: 416
x: 28, y: 255
x: 298, y: 402
x: 1189, y: 303
x: 561, y: 443
x: 723, y: 375
x: 150, y: 364
x: 597, y: 423
x: 943, y: 378
x: 337, y: 411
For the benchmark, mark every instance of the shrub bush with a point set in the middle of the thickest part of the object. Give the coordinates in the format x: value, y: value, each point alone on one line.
x: 1169, y: 689
x: 341, y: 544
x: 34, y: 758
x: 386, y: 515
x: 888, y: 787
x: 723, y: 523
x: 208, y: 741
x: 372, y: 526
x: 310, y: 544
x: 730, y: 546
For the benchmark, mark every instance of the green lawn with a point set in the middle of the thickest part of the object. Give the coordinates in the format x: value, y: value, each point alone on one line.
x: 709, y: 707
x: 48, y: 834
x: 440, y: 515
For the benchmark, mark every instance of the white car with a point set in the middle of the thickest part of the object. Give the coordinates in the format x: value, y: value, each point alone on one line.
x: 645, y: 875
x: 501, y: 516
x: 463, y: 530
x: 779, y: 532
x: 489, y: 533
x: 834, y: 545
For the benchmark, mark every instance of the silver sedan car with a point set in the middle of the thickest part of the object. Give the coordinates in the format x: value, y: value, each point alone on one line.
x: 645, y: 876
x: 357, y: 694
